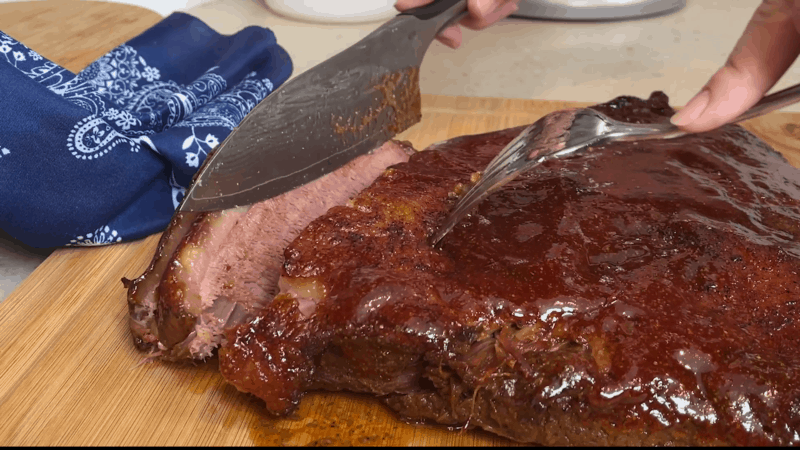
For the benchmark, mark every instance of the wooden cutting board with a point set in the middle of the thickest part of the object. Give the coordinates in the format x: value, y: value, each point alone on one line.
x: 69, y: 374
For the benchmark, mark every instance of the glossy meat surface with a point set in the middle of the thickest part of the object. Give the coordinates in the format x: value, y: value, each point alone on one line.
x: 643, y: 293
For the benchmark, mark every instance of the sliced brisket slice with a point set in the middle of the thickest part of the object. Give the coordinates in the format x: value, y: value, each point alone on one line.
x: 643, y: 293
x: 214, y: 270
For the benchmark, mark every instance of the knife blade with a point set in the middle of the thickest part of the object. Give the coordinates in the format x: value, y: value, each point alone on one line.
x: 312, y: 125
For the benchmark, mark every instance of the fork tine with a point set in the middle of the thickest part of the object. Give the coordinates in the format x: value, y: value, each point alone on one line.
x: 500, y: 170
x: 476, y: 194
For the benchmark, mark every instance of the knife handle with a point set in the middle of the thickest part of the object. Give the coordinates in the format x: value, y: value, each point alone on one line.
x: 432, y: 9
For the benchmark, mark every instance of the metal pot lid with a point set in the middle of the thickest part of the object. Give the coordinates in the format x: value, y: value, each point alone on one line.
x: 596, y: 10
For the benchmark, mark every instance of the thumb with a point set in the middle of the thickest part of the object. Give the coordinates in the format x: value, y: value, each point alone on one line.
x: 769, y: 45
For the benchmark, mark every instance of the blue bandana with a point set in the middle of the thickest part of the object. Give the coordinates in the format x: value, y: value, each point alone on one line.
x: 105, y: 156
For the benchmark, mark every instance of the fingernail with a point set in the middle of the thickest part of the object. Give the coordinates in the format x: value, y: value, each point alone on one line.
x: 692, y: 110
x: 513, y: 8
x: 486, y: 7
x: 510, y: 7
x: 450, y: 36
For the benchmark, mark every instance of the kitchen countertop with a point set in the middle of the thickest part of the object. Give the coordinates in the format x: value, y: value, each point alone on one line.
x: 517, y: 58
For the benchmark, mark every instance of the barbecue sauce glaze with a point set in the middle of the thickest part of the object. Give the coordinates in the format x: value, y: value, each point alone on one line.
x: 641, y: 286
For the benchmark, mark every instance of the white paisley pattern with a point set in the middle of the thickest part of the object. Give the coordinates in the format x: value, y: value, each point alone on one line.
x: 178, y: 191
x: 92, y: 137
x: 228, y: 109
x: 127, y: 99
x: 193, y: 159
x: 101, y: 236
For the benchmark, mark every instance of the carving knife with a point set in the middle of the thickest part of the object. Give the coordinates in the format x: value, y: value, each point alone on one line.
x: 325, y: 117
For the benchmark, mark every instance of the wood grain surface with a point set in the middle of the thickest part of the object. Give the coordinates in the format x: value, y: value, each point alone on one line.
x: 69, y: 374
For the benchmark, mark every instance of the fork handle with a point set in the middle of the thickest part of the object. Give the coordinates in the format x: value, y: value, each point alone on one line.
x: 644, y: 131
x: 772, y: 102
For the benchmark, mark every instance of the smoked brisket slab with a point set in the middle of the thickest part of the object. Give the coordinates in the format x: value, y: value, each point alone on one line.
x: 642, y: 293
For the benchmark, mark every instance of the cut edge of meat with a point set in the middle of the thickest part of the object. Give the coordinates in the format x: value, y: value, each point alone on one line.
x: 142, y: 291
x: 182, y: 303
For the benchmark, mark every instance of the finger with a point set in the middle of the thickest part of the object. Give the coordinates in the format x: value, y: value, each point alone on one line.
x: 486, y: 12
x: 450, y: 36
x: 402, y: 5
x: 483, y: 8
x: 768, y: 46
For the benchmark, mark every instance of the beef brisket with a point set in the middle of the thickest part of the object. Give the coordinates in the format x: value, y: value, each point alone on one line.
x: 642, y: 293
x: 214, y: 270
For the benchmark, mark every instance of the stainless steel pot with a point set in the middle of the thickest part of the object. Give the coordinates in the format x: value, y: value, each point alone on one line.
x: 596, y: 10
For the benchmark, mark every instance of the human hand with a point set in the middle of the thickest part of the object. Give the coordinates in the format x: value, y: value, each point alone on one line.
x: 769, y: 45
x: 482, y: 13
